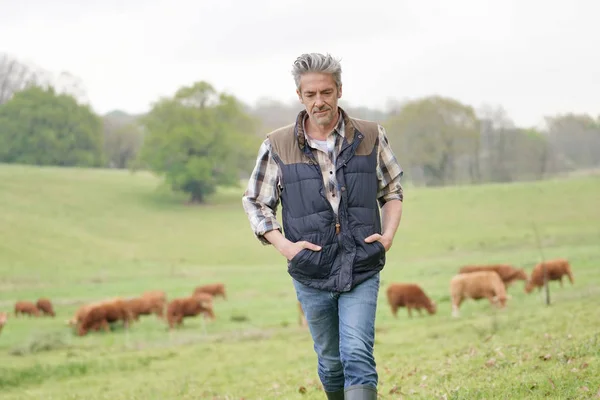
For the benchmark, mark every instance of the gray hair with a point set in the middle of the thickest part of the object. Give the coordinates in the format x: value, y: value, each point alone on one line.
x: 317, y: 62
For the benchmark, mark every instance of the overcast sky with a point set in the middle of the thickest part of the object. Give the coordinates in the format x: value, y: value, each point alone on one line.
x: 533, y: 57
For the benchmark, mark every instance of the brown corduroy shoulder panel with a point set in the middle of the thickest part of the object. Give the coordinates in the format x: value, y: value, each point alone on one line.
x: 370, y: 130
x: 285, y: 145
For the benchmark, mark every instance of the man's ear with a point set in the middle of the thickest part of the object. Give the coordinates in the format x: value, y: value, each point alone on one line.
x: 340, y: 92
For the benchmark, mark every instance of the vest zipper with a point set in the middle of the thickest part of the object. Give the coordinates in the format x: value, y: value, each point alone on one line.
x: 315, y: 163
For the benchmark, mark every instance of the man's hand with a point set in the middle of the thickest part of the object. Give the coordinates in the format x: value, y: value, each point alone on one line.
x: 291, y: 249
x: 384, y: 240
x: 287, y: 248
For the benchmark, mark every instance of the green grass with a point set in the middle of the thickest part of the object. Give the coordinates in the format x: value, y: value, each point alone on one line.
x: 77, y: 235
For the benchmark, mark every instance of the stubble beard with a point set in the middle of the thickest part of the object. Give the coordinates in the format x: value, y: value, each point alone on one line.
x: 323, y: 119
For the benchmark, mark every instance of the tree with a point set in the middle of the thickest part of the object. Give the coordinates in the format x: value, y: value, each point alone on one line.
x: 198, y: 139
x: 437, y: 135
x: 531, y: 158
x: 123, y: 137
x: 497, y: 143
x: 40, y: 127
x: 576, y: 138
x: 14, y: 77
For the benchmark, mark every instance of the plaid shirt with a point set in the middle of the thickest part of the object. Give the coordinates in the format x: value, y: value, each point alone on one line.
x: 261, y: 197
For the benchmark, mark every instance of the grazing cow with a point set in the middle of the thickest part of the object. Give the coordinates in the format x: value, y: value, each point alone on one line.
x: 26, y: 307
x: 507, y: 273
x: 477, y: 285
x: 80, y: 313
x: 411, y: 296
x: 180, y: 308
x: 555, y: 270
x: 159, y: 300
x: 3, y: 318
x: 94, y: 318
x: 145, y: 306
x: 214, y: 289
x: 301, y: 317
x: 118, y: 310
x: 83, y: 309
x: 100, y: 315
x: 45, y: 306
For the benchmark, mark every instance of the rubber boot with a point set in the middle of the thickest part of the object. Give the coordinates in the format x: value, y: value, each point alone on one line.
x: 360, y: 392
x: 339, y: 395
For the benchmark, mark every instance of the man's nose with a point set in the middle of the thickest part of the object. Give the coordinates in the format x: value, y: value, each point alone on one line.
x: 319, y: 101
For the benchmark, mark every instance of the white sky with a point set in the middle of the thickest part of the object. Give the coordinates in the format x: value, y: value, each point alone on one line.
x: 533, y: 57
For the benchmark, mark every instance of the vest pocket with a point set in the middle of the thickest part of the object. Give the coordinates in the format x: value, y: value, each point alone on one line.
x: 369, y: 256
x: 312, y: 264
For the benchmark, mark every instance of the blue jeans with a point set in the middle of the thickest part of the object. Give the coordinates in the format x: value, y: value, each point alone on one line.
x: 342, y: 326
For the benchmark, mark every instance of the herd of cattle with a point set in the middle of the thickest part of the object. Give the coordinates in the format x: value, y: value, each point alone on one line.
x: 98, y: 315
x: 479, y: 282
x: 472, y: 282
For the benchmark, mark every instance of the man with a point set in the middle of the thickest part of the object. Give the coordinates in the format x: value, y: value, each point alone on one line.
x: 330, y: 173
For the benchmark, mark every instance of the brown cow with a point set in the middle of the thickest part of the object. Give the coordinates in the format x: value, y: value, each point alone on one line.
x: 214, y: 289
x: 159, y: 299
x: 145, y: 306
x: 301, y: 317
x: 100, y: 314
x: 94, y: 318
x: 507, y: 273
x: 555, y: 270
x: 411, y: 296
x: 477, y: 285
x: 80, y: 313
x: 189, y: 307
x: 158, y: 295
x: 26, y: 307
x: 83, y: 309
x: 118, y: 310
x: 45, y: 306
x: 3, y: 318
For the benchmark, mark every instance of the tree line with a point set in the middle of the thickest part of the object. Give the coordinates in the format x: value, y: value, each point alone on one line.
x: 198, y: 139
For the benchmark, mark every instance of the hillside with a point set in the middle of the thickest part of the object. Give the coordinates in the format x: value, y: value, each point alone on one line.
x: 77, y: 235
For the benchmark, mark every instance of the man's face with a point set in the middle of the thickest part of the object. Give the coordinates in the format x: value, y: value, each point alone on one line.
x: 319, y: 94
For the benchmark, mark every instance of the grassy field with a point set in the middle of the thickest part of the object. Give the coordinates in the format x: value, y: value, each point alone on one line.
x: 80, y: 235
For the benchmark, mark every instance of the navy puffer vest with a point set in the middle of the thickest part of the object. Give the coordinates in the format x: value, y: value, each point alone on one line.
x: 345, y: 260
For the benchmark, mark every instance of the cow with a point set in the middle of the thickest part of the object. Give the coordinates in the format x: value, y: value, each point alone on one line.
x: 3, y: 318
x: 26, y: 307
x: 112, y: 310
x: 555, y: 270
x: 45, y: 306
x: 80, y: 314
x: 100, y: 315
x: 214, y: 289
x: 477, y: 285
x: 83, y: 309
x: 159, y: 300
x: 145, y: 306
x: 118, y: 310
x: 180, y: 308
x: 301, y: 317
x: 411, y: 296
x: 94, y: 318
x: 507, y: 273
